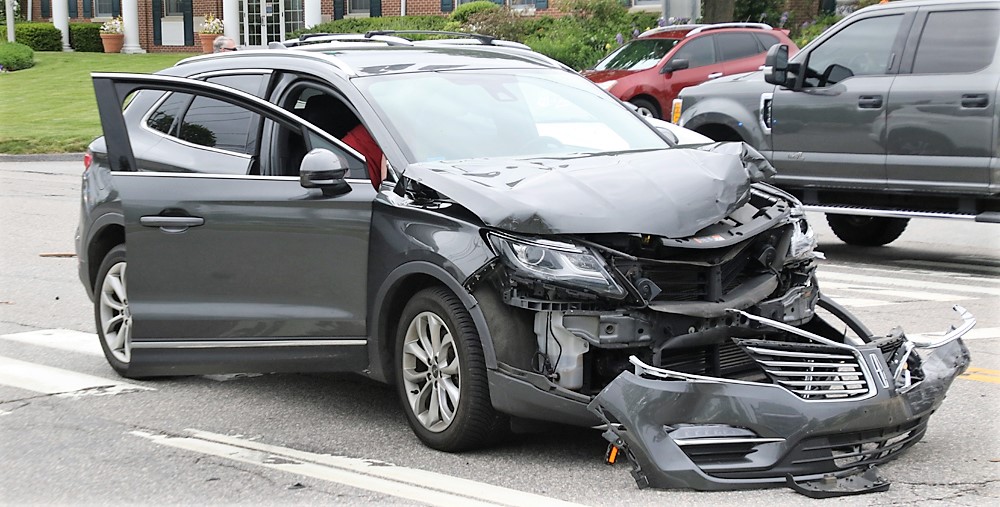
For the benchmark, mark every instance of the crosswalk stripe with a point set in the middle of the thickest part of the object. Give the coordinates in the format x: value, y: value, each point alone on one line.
x: 882, y: 291
x: 409, y: 483
x: 48, y: 380
x: 937, y: 268
x: 858, y: 302
x: 62, y: 339
x: 825, y: 275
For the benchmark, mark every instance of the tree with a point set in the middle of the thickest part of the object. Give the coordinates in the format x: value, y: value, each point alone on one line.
x: 717, y: 11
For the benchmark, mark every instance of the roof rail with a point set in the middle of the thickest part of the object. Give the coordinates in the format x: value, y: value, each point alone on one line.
x: 316, y: 38
x: 485, y: 40
x: 671, y: 28
x: 719, y: 26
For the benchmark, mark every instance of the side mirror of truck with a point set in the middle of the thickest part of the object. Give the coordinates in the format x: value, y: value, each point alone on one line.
x: 776, y: 65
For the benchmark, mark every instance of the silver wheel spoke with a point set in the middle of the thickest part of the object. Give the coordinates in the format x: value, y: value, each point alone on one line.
x: 434, y: 326
x: 451, y: 390
x: 116, y: 285
x: 113, y: 322
x: 111, y: 303
x: 116, y: 341
x: 451, y: 368
x: 414, y: 349
x: 447, y: 414
x: 411, y: 375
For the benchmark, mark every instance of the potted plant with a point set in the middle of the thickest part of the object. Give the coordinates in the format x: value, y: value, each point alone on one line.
x: 211, y: 28
x: 113, y: 35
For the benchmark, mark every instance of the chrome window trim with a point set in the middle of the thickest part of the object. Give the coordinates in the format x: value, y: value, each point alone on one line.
x: 144, y: 124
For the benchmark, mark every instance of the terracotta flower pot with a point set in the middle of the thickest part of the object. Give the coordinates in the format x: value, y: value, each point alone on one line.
x: 206, y: 41
x: 113, y: 42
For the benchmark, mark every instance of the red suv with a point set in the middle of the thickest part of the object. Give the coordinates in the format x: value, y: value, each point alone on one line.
x: 651, y: 70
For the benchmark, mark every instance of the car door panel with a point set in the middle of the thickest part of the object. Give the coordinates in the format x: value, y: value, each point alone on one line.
x: 228, y: 259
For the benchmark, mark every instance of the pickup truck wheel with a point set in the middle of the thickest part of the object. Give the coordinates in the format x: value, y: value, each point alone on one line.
x: 441, y: 374
x: 866, y: 231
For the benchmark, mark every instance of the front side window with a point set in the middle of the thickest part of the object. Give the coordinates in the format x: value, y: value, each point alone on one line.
x: 957, y: 41
x: 462, y: 115
x: 863, y: 48
x: 639, y: 54
x: 698, y: 52
x: 734, y: 46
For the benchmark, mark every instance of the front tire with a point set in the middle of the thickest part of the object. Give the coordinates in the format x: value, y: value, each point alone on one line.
x: 866, y: 231
x: 111, y: 311
x: 646, y: 108
x: 441, y: 374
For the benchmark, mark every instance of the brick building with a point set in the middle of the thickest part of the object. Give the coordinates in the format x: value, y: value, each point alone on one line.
x: 172, y: 25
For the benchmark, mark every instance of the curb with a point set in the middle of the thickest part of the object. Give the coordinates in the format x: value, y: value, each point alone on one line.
x: 44, y: 157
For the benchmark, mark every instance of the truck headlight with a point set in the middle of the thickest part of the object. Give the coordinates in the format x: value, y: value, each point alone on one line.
x: 563, y: 264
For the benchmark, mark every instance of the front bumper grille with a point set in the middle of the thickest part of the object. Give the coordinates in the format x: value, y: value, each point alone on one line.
x: 812, y: 371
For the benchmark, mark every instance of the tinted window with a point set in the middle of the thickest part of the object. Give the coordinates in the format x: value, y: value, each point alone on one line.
x: 861, y: 49
x: 165, y: 116
x: 957, y: 41
x: 217, y: 124
x: 733, y: 46
x: 637, y: 55
x: 697, y: 52
x: 767, y: 40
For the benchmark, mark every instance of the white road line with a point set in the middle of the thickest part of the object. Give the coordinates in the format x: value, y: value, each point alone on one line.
x: 977, y: 333
x: 936, y: 267
x: 857, y: 302
x: 882, y: 291
x: 62, y: 339
x: 48, y: 380
x: 905, y: 282
x: 895, y: 272
x: 409, y: 483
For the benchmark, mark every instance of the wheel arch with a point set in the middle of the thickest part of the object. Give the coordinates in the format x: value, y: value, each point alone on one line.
x: 651, y: 99
x: 399, y: 286
x: 108, y: 232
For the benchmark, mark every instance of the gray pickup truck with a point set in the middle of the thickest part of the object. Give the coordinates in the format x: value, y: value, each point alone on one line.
x: 890, y: 114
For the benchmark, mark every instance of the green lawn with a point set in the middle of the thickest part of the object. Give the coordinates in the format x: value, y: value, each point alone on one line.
x: 50, y: 108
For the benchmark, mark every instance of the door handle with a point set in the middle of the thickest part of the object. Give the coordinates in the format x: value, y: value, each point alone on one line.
x: 870, y: 101
x: 171, y: 224
x: 975, y: 100
x: 715, y: 75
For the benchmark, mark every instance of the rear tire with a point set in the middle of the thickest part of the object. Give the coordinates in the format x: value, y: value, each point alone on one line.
x: 111, y: 311
x: 866, y: 231
x: 441, y: 375
x: 647, y: 108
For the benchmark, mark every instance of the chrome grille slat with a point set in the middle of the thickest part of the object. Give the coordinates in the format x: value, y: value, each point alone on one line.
x: 813, y: 372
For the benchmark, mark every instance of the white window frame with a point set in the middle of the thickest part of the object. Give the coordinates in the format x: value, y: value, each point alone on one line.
x: 110, y: 12
x: 360, y: 12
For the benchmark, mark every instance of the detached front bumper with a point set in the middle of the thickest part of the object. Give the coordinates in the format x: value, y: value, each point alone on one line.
x: 706, y: 433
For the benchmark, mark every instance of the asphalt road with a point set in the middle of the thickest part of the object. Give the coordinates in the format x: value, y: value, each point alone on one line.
x: 320, y: 439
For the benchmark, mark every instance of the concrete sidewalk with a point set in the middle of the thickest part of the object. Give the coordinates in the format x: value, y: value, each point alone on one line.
x: 43, y: 157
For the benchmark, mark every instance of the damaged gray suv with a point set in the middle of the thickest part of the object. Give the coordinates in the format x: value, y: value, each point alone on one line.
x: 535, y: 250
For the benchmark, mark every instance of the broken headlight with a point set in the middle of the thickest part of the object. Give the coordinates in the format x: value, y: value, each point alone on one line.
x: 803, y: 244
x: 563, y: 264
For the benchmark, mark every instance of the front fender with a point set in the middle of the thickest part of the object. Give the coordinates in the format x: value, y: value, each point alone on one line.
x: 733, y: 114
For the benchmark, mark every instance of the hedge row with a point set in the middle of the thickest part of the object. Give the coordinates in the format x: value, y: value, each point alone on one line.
x: 85, y: 37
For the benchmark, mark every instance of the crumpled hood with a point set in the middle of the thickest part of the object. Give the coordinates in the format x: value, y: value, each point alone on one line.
x: 670, y: 192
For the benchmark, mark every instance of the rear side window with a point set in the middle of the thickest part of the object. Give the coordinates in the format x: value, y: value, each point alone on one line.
x: 767, y: 40
x: 218, y: 124
x: 697, y: 52
x: 733, y: 46
x: 957, y: 41
x: 164, y: 119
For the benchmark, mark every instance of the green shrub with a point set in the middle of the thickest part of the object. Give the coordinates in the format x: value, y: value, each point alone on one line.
x: 362, y: 25
x: 16, y: 56
x: 462, y: 12
x: 811, y: 30
x: 39, y: 36
x: 86, y: 37
x: 502, y: 23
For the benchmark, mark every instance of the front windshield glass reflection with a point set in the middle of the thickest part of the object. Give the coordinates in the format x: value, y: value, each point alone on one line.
x: 640, y: 54
x: 458, y: 115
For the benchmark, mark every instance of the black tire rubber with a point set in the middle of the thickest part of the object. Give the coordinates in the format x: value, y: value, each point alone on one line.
x: 476, y: 423
x: 114, y: 256
x: 866, y: 231
x: 649, y: 106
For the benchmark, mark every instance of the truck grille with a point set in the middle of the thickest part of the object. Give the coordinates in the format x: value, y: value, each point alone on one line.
x: 812, y: 372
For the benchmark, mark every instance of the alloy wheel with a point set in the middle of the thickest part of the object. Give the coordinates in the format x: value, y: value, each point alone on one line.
x: 431, y: 371
x: 116, y: 318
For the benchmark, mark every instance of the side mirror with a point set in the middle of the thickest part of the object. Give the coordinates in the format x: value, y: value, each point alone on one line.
x: 675, y: 64
x: 323, y: 169
x: 776, y: 65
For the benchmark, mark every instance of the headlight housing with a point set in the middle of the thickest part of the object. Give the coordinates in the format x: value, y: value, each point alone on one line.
x: 803, y: 244
x: 563, y: 264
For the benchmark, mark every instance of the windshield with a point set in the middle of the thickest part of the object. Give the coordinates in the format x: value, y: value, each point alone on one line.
x: 457, y: 115
x: 640, y: 54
